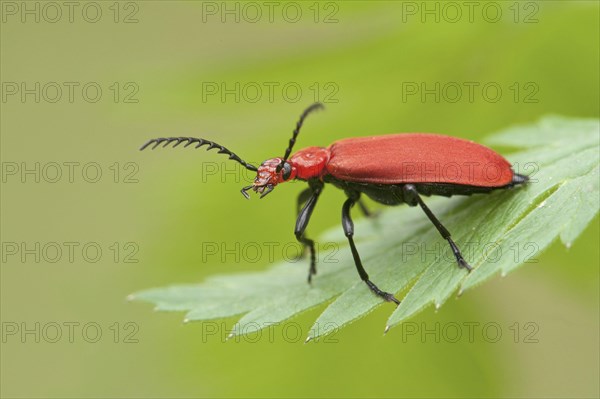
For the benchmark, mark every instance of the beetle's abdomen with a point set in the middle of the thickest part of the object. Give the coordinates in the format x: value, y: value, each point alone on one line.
x: 417, y: 158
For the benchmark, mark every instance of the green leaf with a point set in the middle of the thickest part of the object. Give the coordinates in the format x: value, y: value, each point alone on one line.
x: 402, y: 251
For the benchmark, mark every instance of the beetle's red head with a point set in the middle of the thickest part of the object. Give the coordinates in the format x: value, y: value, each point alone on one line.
x: 278, y: 170
x: 268, y: 176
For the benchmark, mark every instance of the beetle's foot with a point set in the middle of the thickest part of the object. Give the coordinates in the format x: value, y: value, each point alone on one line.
x: 463, y: 264
x: 301, y: 254
x: 311, y: 272
x: 385, y: 295
x: 390, y: 298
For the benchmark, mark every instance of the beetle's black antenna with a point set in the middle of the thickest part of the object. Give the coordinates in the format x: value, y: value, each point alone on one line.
x: 288, y: 151
x: 191, y: 140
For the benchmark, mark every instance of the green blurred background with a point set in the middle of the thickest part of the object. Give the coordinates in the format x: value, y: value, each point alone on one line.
x: 359, y: 58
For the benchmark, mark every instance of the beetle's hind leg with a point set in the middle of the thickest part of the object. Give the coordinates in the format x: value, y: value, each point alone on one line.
x: 311, y: 194
x: 348, y: 226
x: 412, y: 198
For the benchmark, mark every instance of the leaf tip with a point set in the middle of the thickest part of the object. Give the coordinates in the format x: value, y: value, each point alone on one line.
x: 185, y: 321
x: 385, y: 331
x: 308, y: 339
x: 130, y: 297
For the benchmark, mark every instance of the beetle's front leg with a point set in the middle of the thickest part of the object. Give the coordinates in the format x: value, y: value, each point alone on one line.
x: 302, y: 198
x: 348, y: 226
x: 303, y: 218
x: 300, y: 201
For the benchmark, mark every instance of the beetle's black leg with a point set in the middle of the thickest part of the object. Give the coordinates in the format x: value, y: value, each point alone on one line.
x: 348, y: 226
x: 412, y: 198
x: 303, y: 217
x: 302, y: 198
x: 366, y: 210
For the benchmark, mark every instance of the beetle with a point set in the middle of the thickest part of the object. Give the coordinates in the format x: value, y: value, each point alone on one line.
x: 390, y: 169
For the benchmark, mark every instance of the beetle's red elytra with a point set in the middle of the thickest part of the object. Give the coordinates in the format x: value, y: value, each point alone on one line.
x: 390, y: 169
x: 396, y: 159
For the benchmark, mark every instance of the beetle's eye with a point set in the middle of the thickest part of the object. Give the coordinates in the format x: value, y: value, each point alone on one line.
x: 287, y: 171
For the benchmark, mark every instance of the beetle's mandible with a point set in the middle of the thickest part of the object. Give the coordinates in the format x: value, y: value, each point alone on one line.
x: 390, y: 169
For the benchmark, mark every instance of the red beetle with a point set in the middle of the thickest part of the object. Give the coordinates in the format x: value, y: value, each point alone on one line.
x: 391, y: 169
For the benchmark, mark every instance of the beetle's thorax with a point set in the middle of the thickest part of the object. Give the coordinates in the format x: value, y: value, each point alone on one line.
x: 310, y: 162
